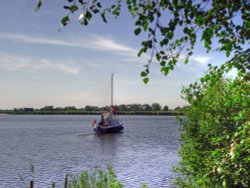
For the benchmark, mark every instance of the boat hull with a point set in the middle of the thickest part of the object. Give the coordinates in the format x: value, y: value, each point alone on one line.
x: 106, y: 130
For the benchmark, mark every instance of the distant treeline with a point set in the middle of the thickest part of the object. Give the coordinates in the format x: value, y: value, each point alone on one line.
x: 123, y: 109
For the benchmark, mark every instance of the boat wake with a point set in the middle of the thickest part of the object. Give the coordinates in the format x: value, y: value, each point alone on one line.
x: 87, y: 134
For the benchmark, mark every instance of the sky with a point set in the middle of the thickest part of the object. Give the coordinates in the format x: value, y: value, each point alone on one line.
x: 41, y: 66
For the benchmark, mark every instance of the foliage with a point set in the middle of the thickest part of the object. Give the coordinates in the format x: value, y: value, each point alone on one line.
x: 156, y: 107
x: 100, y: 179
x: 165, y: 108
x: 95, y: 179
x: 215, y: 135
x: 122, y: 108
x: 225, y: 23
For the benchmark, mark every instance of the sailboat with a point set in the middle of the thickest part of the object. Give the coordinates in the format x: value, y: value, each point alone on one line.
x: 109, y: 123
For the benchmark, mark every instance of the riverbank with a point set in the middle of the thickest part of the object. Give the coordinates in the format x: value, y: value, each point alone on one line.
x: 147, y: 113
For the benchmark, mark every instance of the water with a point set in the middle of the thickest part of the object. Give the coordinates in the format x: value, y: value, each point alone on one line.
x: 144, y: 153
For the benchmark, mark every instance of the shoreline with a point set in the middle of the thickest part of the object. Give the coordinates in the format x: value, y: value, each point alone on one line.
x: 149, y: 113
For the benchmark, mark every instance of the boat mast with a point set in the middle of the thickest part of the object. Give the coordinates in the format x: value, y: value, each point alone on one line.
x: 112, y: 89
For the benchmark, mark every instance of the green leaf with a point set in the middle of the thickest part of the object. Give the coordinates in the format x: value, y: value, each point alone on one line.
x: 88, y: 15
x: 73, y: 8
x: 186, y: 30
x: 164, y: 42
x: 38, y: 6
x: 81, y: 1
x: 95, y: 11
x: 170, y: 35
x: 137, y: 31
x: 145, y: 26
x: 65, y: 20
x: 165, y: 70
x: 85, y: 21
x: 66, y: 7
x: 207, y: 45
x: 140, y: 52
x: 228, y: 52
x: 162, y: 52
x: 199, y: 20
x: 116, y: 11
x: 143, y: 74
x: 104, y: 18
x: 99, y: 5
x: 171, y: 66
x: 163, y: 63
x: 146, y: 80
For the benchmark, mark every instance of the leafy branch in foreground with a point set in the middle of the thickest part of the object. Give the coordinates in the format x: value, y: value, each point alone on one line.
x: 174, y: 27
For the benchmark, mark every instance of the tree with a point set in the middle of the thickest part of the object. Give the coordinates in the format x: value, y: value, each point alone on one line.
x: 215, y: 144
x: 165, y: 108
x: 156, y: 107
x: 225, y: 23
x: 47, y: 108
x: 133, y: 107
x: 178, y: 108
x: 70, y: 108
x: 91, y: 108
x: 122, y: 107
x: 146, y: 107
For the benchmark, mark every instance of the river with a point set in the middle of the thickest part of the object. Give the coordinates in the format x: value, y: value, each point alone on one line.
x: 58, y: 144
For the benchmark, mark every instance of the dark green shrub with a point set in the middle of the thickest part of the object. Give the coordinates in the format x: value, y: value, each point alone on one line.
x: 215, y: 135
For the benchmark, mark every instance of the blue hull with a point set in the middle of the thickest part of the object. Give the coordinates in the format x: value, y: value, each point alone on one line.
x: 106, y: 130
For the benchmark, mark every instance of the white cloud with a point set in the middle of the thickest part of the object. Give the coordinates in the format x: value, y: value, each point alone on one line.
x: 203, y: 60
x: 8, y: 62
x: 48, y: 64
x: 102, y: 43
x: 35, y: 40
x: 91, y: 42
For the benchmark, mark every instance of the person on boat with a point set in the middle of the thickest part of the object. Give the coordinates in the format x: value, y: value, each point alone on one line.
x: 102, y: 118
x: 113, y: 110
x: 94, y: 124
x: 102, y: 122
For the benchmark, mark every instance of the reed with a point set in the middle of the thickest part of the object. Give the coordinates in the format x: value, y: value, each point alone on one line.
x: 98, y: 178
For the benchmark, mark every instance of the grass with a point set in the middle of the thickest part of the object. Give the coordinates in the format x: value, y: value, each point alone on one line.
x: 97, y: 178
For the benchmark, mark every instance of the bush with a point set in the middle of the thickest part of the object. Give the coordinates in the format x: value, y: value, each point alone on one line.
x: 215, y: 135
